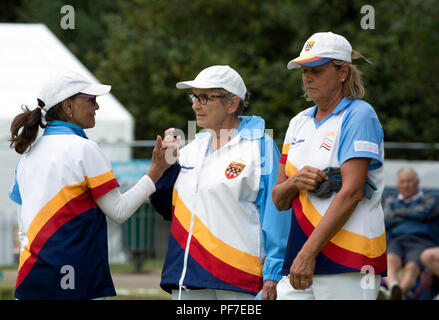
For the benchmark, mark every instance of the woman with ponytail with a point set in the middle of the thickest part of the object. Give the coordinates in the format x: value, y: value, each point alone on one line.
x: 65, y: 188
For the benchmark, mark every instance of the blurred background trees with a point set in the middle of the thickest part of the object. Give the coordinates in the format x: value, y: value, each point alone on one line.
x: 143, y: 47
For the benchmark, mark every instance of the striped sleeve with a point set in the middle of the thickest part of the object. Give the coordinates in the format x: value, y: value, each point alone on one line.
x: 286, y: 144
x: 284, y: 155
x: 98, y: 174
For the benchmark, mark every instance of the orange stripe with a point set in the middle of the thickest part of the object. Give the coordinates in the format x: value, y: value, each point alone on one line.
x: 93, y: 182
x: 285, y: 148
x: 370, y: 247
x: 230, y: 255
x: 304, y: 58
x: 290, y: 170
x: 57, y: 202
x: 64, y: 195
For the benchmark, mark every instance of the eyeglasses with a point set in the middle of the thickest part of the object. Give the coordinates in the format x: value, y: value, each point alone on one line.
x: 90, y: 97
x: 203, y: 98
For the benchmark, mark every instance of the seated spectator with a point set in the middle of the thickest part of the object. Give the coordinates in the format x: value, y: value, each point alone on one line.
x: 412, y: 225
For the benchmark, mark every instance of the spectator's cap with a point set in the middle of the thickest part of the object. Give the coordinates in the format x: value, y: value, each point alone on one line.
x: 66, y: 85
x: 321, y: 48
x: 217, y: 77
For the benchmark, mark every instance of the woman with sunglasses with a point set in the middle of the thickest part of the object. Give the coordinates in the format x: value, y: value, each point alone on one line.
x: 65, y: 188
x: 227, y: 239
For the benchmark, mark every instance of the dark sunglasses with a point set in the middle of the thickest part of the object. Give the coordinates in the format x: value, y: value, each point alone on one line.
x: 90, y: 97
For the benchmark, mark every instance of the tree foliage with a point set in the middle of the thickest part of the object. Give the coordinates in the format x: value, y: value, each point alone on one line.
x: 143, y: 47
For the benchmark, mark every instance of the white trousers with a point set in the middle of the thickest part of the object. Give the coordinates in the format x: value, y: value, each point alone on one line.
x: 210, y: 294
x: 343, y: 286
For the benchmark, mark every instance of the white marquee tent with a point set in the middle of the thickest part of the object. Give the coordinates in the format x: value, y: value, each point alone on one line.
x: 29, y: 54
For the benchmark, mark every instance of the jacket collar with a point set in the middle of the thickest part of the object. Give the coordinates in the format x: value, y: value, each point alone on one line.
x: 62, y: 127
x: 251, y: 127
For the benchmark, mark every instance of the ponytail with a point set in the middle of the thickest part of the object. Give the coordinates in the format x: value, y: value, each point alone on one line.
x: 29, y: 123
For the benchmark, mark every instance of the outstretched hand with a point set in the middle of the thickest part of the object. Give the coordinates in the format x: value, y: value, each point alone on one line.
x: 159, y: 163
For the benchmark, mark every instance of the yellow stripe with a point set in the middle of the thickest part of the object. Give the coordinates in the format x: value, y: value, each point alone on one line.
x: 285, y: 148
x: 290, y: 170
x: 48, y: 211
x: 370, y: 247
x: 24, y: 255
x: 93, y: 182
x: 232, y: 256
x: 304, y: 58
x: 56, y: 203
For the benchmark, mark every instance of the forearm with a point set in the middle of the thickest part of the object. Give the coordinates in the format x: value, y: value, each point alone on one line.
x: 283, y: 194
x: 120, y: 207
x: 336, y: 216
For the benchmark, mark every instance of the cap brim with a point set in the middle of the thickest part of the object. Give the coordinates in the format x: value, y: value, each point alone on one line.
x: 97, y: 89
x: 309, y: 61
x: 195, y: 84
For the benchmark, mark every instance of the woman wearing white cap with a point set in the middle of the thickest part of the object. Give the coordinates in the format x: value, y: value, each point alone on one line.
x: 331, y: 174
x: 227, y: 239
x: 64, y: 185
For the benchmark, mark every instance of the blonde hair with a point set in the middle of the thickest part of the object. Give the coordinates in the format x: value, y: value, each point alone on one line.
x: 352, y: 87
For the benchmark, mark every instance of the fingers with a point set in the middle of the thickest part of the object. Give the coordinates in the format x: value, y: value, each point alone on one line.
x: 308, y: 178
x: 314, y: 173
x: 269, y: 290
x: 302, y: 271
x: 300, y: 282
x: 158, y: 142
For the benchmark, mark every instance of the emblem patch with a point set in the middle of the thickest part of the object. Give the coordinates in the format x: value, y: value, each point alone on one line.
x: 328, y: 141
x: 309, y: 45
x: 234, y: 169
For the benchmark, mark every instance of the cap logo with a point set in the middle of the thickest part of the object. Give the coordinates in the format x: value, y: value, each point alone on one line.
x: 309, y: 45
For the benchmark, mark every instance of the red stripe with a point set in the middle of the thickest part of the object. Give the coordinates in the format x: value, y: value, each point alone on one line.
x: 70, y: 210
x: 283, y: 158
x: 336, y: 253
x: 24, y: 270
x: 309, y: 60
x: 212, y: 264
x: 104, y: 188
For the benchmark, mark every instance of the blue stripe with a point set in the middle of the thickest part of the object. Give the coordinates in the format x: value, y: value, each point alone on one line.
x: 196, y: 276
x: 82, y: 244
x: 315, y: 63
x: 295, y: 242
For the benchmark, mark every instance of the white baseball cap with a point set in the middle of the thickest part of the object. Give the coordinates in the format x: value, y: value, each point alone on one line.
x: 321, y: 48
x: 217, y: 77
x: 67, y: 84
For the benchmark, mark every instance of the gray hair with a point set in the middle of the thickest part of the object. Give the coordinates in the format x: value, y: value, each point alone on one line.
x: 242, y: 103
x: 408, y: 170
